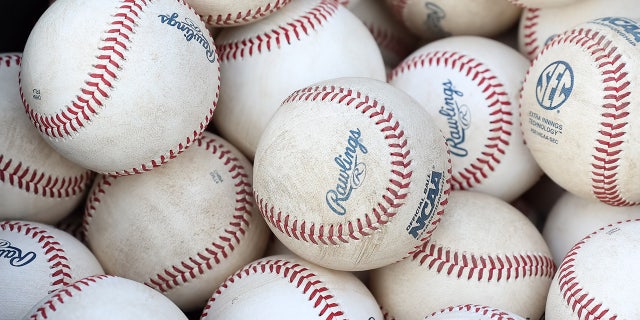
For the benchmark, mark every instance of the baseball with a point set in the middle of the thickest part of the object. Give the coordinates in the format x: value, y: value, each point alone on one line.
x: 35, y: 260
x: 470, y: 86
x: 432, y: 20
x: 125, y: 93
x: 287, y: 287
x: 104, y: 297
x: 472, y: 312
x: 263, y: 62
x: 483, y: 252
x: 544, y: 3
x: 572, y: 218
x: 36, y: 183
x: 577, y: 110
x: 228, y: 13
x: 181, y: 229
x: 359, y: 189
x: 538, y: 26
x: 596, y: 279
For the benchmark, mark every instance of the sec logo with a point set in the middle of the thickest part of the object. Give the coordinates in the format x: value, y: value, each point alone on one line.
x: 554, y: 85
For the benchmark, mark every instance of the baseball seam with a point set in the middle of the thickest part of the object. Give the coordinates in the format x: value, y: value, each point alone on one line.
x: 483, y: 267
x: 492, y: 313
x: 298, y: 275
x: 500, y: 113
x: 396, y: 191
x: 110, y: 61
x: 389, y: 41
x: 244, y: 17
x: 530, y: 32
x: 280, y: 35
x: 53, y: 303
x: 217, y: 250
x: 574, y: 294
x: 60, y: 271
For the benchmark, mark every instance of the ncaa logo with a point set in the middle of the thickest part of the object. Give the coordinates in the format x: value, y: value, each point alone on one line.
x: 554, y: 85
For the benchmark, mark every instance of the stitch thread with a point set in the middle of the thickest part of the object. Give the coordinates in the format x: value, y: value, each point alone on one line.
x: 217, y: 250
x: 297, y: 275
x: 492, y: 313
x: 500, y: 114
x: 389, y: 41
x: 244, y: 17
x: 281, y: 35
x: 530, y: 17
x: 60, y: 274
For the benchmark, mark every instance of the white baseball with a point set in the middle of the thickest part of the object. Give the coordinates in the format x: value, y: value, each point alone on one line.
x: 544, y: 3
x: 286, y: 287
x: 598, y: 279
x: 572, y: 218
x: 35, y: 260
x: 228, y: 13
x: 577, y: 110
x: 125, y: 93
x: 472, y: 312
x: 432, y: 20
x: 351, y: 174
x: 182, y: 228
x: 263, y: 62
x: 538, y: 26
x: 470, y: 85
x: 395, y: 41
x: 104, y: 297
x: 483, y: 252
x: 36, y: 183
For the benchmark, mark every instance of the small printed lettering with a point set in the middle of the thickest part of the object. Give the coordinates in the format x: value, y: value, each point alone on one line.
x: 427, y: 205
x: 544, y: 128
x: 625, y: 27
x: 217, y: 178
x: 435, y: 15
x: 36, y: 94
x: 458, y: 119
x: 191, y: 32
x: 612, y: 231
x: 352, y: 173
x: 15, y: 256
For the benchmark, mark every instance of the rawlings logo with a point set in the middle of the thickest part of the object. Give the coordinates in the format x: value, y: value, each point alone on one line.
x: 458, y: 118
x: 554, y: 85
x: 352, y: 173
x: 191, y: 32
x: 627, y: 28
x: 427, y: 206
x: 433, y: 23
x: 14, y: 255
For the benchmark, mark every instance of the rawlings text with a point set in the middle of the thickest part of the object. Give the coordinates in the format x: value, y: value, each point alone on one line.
x: 191, y: 32
x: 14, y: 255
x: 458, y: 119
x: 352, y: 173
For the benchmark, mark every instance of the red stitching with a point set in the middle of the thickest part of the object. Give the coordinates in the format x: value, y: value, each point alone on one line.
x: 245, y: 17
x: 492, y: 313
x: 55, y: 255
x: 280, y: 35
x: 479, y: 267
x: 389, y: 41
x: 530, y: 34
x: 497, y: 102
x: 10, y: 60
x: 61, y: 296
x: 386, y: 208
x: 219, y: 249
x: 298, y: 275
x: 397, y: 9
x: 97, y: 87
x: 576, y: 295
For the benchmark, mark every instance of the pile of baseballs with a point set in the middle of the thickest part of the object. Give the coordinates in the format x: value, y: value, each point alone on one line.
x: 322, y: 159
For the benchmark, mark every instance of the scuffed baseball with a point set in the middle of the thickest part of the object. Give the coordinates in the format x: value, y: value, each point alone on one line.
x: 35, y: 260
x: 125, y: 93
x: 572, y: 218
x: 104, y: 297
x: 263, y: 62
x: 351, y: 174
x: 538, y: 26
x: 577, y: 110
x: 286, y: 287
x: 36, y: 182
x: 597, y: 278
x: 181, y: 229
x: 229, y: 13
x: 483, y: 252
x: 472, y: 312
x: 437, y: 19
x: 470, y: 86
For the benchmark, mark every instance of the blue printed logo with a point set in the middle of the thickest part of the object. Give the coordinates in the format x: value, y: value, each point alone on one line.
x: 15, y: 256
x: 458, y: 119
x: 554, y: 85
x: 428, y: 205
x: 352, y: 173
x: 191, y: 32
x: 625, y: 27
x: 435, y: 15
